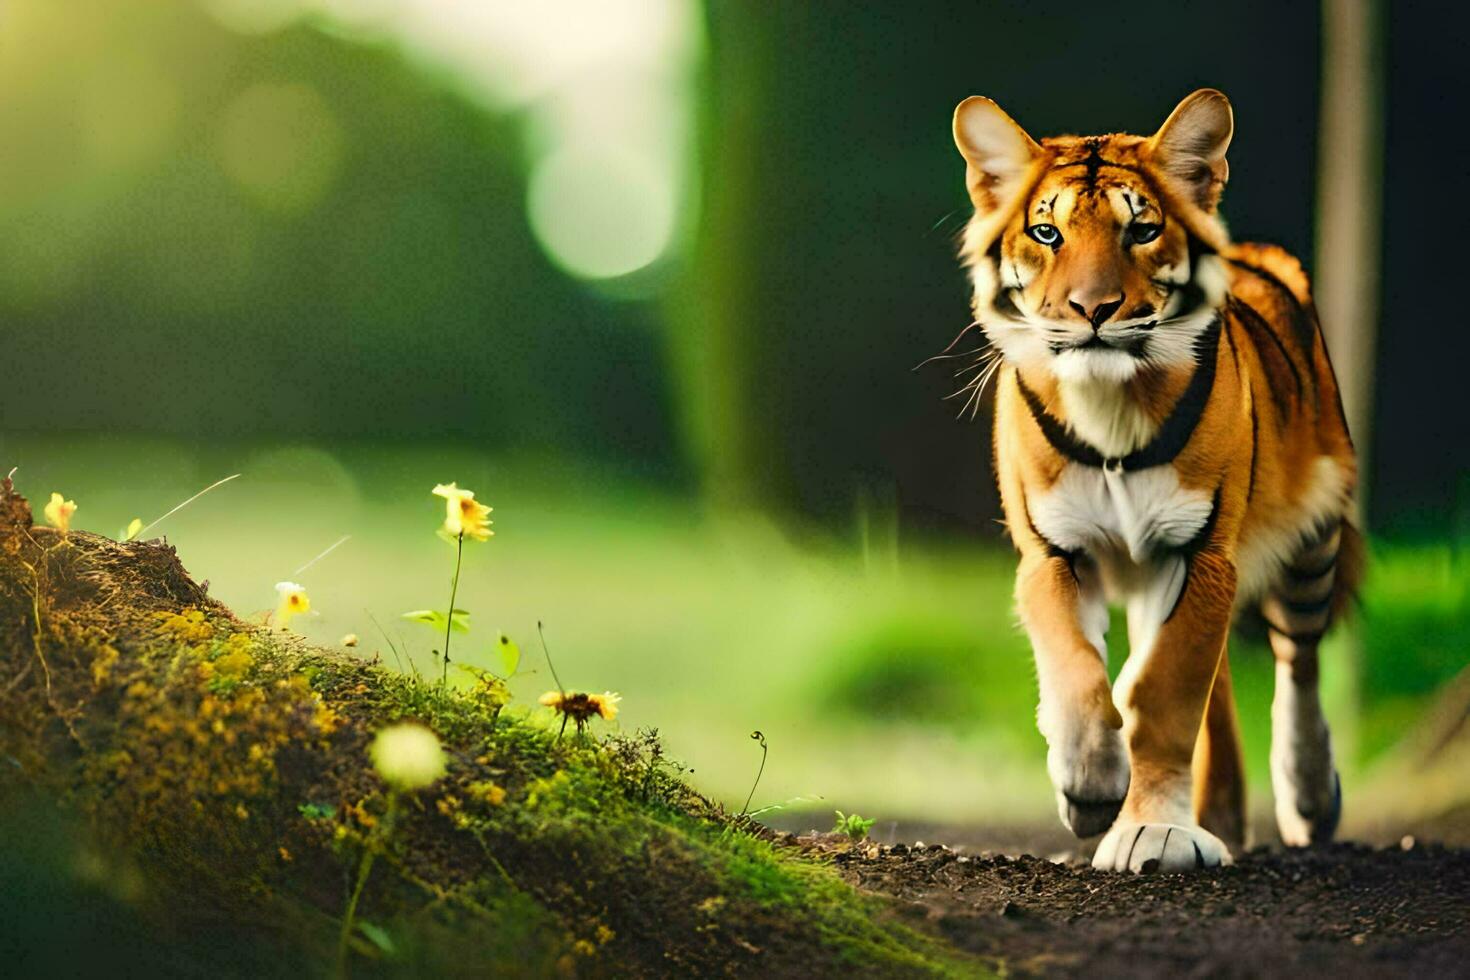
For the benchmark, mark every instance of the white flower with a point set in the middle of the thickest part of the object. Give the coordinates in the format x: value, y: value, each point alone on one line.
x: 58, y: 512
x: 293, y: 601
x: 407, y: 756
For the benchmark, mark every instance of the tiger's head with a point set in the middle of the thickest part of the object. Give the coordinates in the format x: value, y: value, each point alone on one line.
x: 1095, y: 256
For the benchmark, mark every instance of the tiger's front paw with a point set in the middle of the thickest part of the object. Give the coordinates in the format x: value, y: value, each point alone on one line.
x: 1088, y: 763
x: 1307, y: 814
x: 1146, y: 848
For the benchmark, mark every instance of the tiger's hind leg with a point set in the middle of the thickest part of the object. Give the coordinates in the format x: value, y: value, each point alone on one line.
x: 1298, y: 612
x: 1219, y: 765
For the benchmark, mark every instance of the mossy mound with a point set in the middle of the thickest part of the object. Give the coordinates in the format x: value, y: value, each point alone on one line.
x: 219, y: 769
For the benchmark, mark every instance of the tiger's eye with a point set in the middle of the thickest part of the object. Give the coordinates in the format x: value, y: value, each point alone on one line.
x: 1045, y: 235
x: 1144, y: 232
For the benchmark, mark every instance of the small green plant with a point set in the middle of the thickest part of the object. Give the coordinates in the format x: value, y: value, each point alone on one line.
x: 399, y: 658
x: 761, y: 738
x: 457, y: 619
x: 652, y: 775
x: 746, y: 811
x: 463, y: 516
x: 795, y: 801
x: 490, y: 692
x: 854, y: 826
x: 408, y: 757
x: 510, y: 655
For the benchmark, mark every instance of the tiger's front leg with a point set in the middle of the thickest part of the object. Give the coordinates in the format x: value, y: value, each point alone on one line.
x: 1162, y: 692
x: 1061, y: 604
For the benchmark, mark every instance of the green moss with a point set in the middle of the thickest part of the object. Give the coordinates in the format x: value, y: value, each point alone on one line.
x: 756, y: 870
x: 230, y: 763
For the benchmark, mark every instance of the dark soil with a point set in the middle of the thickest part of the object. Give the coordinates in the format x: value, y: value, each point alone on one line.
x: 1342, y: 911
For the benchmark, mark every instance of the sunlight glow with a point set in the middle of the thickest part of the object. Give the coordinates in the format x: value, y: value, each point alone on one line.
x: 605, y: 88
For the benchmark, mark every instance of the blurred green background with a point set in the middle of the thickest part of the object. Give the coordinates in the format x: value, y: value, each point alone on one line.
x: 650, y: 276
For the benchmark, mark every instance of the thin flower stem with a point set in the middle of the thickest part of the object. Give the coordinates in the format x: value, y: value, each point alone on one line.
x: 453, y: 591
x: 761, y: 739
x: 547, y: 653
x: 364, y: 868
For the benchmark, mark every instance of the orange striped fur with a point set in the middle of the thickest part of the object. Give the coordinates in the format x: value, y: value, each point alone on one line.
x: 1168, y: 437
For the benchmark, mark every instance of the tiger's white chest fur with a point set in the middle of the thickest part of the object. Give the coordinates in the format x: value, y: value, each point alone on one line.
x: 1105, y: 417
x: 1114, y: 515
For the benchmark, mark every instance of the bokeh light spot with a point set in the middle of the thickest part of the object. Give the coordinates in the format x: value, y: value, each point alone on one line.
x: 600, y: 213
x: 255, y: 16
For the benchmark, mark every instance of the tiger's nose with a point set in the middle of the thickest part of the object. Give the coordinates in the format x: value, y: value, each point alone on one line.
x: 1100, y: 309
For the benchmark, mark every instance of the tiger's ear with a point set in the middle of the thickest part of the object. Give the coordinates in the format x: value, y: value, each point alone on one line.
x: 1189, y: 149
x: 998, y: 153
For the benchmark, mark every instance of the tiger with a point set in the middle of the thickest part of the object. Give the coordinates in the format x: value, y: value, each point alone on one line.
x: 1168, y: 438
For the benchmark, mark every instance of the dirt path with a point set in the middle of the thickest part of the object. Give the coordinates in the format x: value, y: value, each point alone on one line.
x: 1340, y: 911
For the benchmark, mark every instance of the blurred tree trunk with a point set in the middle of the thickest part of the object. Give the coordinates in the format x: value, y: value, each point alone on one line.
x: 1349, y: 203
x: 713, y: 345
x: 1349, y: 253
x: 820, y: 277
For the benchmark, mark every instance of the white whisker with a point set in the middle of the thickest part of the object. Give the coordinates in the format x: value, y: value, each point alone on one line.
x: 985, y: 360
x: 976, y: 388
x: 946, y: 353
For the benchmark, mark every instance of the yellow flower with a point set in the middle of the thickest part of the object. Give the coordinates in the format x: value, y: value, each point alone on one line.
x: 408, y: 756
x: 59, y: 511
x: 488, y: 792
x: 293, y: 602
x: 463, y: 514
x: 581, y: 707
x: 606, y: 703
x: 131, y: 531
